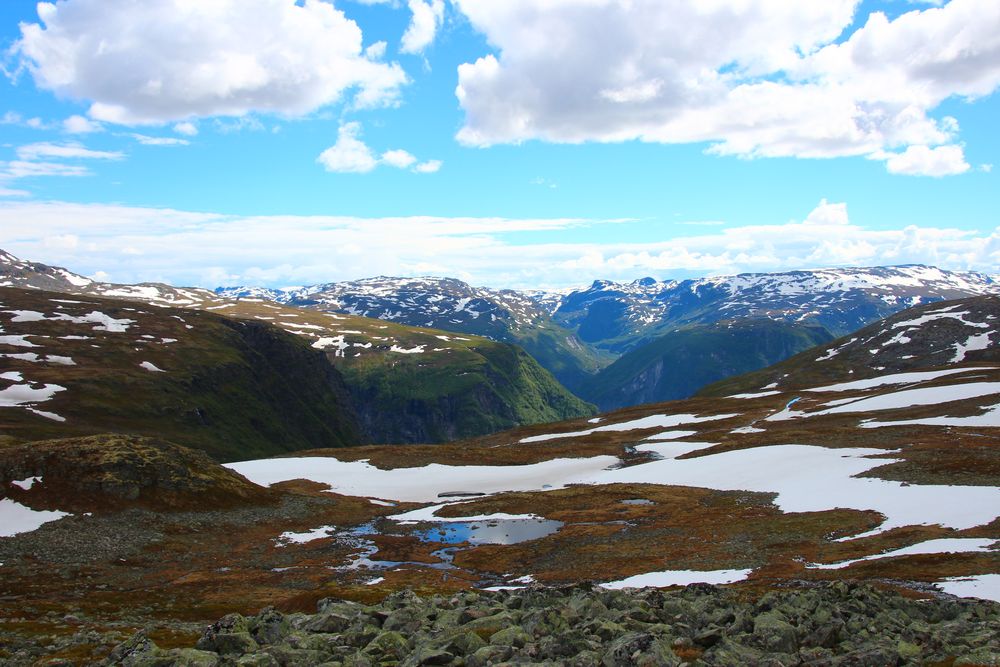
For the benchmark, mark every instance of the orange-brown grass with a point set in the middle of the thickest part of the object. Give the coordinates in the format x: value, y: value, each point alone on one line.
x: 685, y: 528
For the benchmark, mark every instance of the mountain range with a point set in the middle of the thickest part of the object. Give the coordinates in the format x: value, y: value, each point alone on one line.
x: 611, y: 344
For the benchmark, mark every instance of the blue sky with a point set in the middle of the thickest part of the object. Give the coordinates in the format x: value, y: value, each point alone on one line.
x: 509, y: 144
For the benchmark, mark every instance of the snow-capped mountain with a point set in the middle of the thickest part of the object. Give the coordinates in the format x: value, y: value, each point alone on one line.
x: 429, y: 302
x: 615, y: 316
x: 449, y: 304
x: 16, y: 272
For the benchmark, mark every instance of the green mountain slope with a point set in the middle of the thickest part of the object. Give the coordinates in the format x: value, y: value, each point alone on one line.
x: 483, y: 388
x: 234, y: 389
x: 413, y: 384
x: 679, y: 363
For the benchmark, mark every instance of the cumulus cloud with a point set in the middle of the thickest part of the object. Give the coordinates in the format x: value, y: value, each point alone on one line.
x: 398, y: 158
x: 187, y: 128
x: 754, y: 78
x: 206, y: 249
x: 424, y: 24
x: 351, y: 155
x: 429, y: 167
x: 926, y: 161
x: 159, y: 61
x: 79, y: 125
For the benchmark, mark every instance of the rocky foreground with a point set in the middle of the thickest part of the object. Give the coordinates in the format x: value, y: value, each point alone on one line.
x: 832, y: 624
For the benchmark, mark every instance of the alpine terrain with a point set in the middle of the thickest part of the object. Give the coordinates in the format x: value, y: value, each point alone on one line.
x: 871, y: 458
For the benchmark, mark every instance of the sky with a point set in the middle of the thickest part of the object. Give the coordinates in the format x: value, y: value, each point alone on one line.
x: 522, y: 143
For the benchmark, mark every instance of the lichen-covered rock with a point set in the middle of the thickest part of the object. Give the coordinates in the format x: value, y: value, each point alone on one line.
x: 825, y: 625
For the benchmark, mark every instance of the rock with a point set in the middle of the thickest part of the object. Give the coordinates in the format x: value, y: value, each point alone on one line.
x: 138, y: 651
x: 234, y: 643
x: 774, y: 633
x: 623, y: 650
x: 512, y: 636
x: 428, y: 656
x: 257, y: 660
x: 328, y: 621
x: 268, y: 627
x: 407, y: 619
x: 984, y: 657
x: 190, y: 657
x: 489, y: 655
x: 463, y: 643
x: 388, y: 644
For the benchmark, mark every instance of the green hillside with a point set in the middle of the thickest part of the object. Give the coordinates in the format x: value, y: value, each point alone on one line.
x: 234, y: 389
x: 679, y: 363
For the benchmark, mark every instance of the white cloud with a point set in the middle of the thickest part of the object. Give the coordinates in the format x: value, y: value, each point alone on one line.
x: 35, y: 160
x: 174, y: 60
x: 925, y: 161
x: 349, y: 154
x: 755, y: 78
x: 159, y: 141
x: 376, y: 51
x: 65, y: 151
x: 429, y: 167
x: 206, y: 249
x: 187, y: 128
x: 80, y: 125
x: 398, y: 158
x: 12, y: 192
x: 424, y: 24
x: 828, y: 214
x: 352, y: 155
x: 28, y: 169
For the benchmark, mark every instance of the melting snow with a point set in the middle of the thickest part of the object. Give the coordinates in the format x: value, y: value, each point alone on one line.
x: 149, y: 366
x: 652, y: 421
x: 419, y: 349
x: 679, y: 578
x: 16, y: 518
x: 912, y: 397
x: 423, y: 484
x: 759, y: 394
x: 896, y: 378
x: 976, y: 342
x: 982, y: 586
x: 989, y: 418
x: 102, y: 321
x: 806, y: 478
x: 17, y: 341
x: 21, y: 394
x: 940, y: 546
x: 27, y: 482
x: 48, y: 415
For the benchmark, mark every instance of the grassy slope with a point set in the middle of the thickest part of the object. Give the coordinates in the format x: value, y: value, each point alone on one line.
x: 234, y: 389
x: 444, y: 386
x: 475, y: 390
x: 677, y: 364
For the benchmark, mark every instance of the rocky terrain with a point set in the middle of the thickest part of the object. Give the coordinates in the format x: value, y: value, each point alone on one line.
x: 585, y: 626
